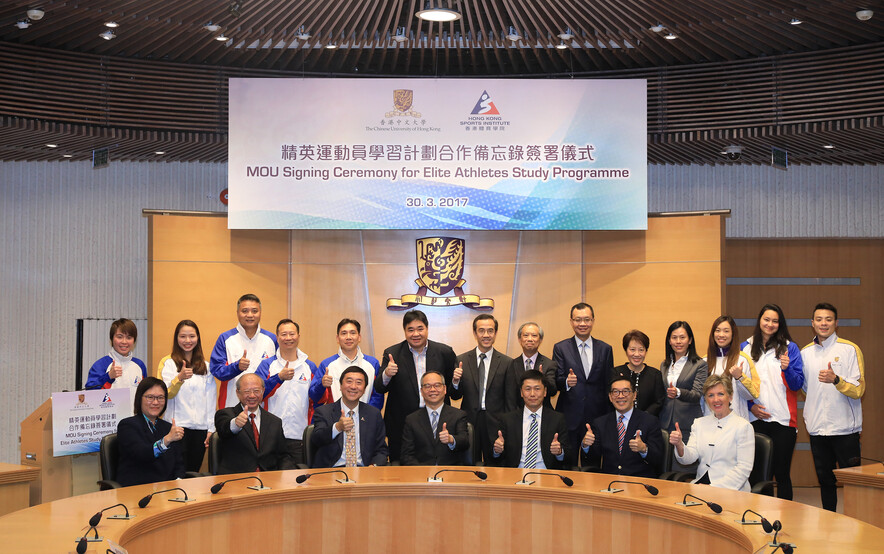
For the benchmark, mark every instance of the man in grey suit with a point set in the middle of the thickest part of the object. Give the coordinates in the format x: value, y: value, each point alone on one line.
x: 436, y: 434
x: 530, y: 338
x: 482, y: 379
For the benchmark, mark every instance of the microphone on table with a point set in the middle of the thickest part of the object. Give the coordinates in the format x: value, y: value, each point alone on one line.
x: 93, y: 521
x: 301, y: 478
x: 260, y: 487
x: 650, y: 488
x: 765, y: 524
x: 857, y: 460
x: 146, y: 500
x: 83, y: 542
x: 784, y: 546
x: 567, y: 480
x: 712, y: 505
x: 436, y: 479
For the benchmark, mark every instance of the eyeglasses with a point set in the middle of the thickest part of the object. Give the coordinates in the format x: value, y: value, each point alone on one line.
x: 621, y: 392
x: 154, y: 398
x: 582, y: 319
x: 252, y: 391
x: 427, y: 386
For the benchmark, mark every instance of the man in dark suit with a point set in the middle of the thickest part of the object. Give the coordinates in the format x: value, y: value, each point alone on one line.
x: 402, y: 365
x: 584, y: 365
x: 243, y: 449
x: 436, y: 434
x: 349, y: 422
x: 533, y: 437
x: 482, y: 378
x: 530, y: 337
x: 641, y: 452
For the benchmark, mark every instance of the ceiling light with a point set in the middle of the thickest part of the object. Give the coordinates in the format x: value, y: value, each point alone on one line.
x: 303, y: 34
x: 862, y: 15
x: 513, y: 34
x: 437, y: 13
x: 67, y: 155
x: 23, y: 24
x: 795, y: 21
x: 211, y: 27
x: 658, y: 28
x: 36, y: 14
x: 108, y: 35
x: 566, y: 35
x: 159, y: 152
x: 400, y: 35
x: 829, y: 146
x: 111, y: 24
x: 671, y: 36
x: 50, y: 145
x: 331, y: 45
x: 561, y: 45
x: 221, y: 38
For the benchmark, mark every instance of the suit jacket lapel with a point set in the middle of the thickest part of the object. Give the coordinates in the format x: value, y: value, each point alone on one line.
x: 472, y: 367
x: 493, y: 363
x: 408, y: 365
x: 686, y: 376
x: 575, y: 352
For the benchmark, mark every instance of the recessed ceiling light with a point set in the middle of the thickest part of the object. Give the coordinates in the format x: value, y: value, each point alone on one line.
x: 108, y: 35
x: 222, y: 38
x: 211, y: 27
x: 829, y: 146
x: 561, y: 45
x: 437, y: 14
x: 67, y: 155
x: 159, y: 152
x: 50, y: 145
x: 862, y: 15
x: 795, y: 21
x: 671, y: 36
x: 331, y: 45
x: 111, y: 24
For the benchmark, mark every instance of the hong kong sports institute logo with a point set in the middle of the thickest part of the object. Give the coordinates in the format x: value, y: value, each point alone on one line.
x: 485, y: 105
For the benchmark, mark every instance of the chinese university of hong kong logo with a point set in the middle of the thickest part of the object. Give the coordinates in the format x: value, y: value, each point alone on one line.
x: 440, y: 265
x: 402, y: 104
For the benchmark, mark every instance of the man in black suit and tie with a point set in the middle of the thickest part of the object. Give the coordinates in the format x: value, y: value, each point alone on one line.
x: 402, y: 365
x: 251, y: 438
x: 533, y: 437
x: 584, y: 365
x: 637, y: 450
x: 349, y: 433
x: 530, y: 337
x: 436, y: 434
x: 482, y: 378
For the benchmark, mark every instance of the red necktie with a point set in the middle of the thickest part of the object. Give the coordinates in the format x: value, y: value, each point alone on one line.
x: 255, y: 430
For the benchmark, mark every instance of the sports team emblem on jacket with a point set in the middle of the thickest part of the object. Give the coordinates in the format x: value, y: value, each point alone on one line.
x: 440, y: 267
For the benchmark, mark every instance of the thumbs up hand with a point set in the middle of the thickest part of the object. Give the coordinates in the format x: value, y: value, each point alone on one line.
x: 391, y: 369
x: 242, y: 418
x: 827, y: 375
x: 458, y: 373
x: 185, y: 373
x: 588, y: 438
x: 636, y: 444
x: 244, y: 363
x: 115, y: 371
x: 444, y: 436
x: 675, y: 436
x: 175, y: 434
x: 287, y: 372
x: 498, y: 444
x: 556, y: 447
x: 571, y: 381
x: 327, y: 380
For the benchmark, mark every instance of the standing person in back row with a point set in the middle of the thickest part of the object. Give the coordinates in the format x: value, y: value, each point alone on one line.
x: 240, y: 350
x: 834, y: 380
x: 119, y: 368
x: 402, y: 367
x: 584, y: 365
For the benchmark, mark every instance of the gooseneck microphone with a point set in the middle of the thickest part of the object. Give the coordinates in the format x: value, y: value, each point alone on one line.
x: 650, y: 488
x: 83, y: 541
x: 567, y: 480
x: 301, y: 478
x: 765, y: 524
x: 784, y: 546
x: 712, y: 505
x: 146, y: 500
x: 216, y: 488
x: 93, y: 521
x: 436, y: 479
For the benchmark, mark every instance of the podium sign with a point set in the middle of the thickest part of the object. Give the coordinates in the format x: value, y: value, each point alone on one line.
x: 81, y: 418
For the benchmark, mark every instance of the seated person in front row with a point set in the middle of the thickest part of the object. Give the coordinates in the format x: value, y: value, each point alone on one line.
x: 533, y: 437
x: 251, y: 438
x: 349, y: 432
x: 436, y: 434
x: 149, y: 447
x: 640, y: 450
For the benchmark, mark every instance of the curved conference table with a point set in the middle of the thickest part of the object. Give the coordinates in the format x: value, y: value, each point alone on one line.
x: 395, y: 509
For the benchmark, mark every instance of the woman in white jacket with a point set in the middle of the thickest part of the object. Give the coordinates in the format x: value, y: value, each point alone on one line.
x: 723, y: 442
x: 192, y: 392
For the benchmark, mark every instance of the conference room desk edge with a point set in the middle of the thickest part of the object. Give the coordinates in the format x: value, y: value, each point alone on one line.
x: 863, y: 492
x: 397, y: 510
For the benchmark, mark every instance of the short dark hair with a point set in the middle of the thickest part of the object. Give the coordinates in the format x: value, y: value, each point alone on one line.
x: 412, y: 315
x: 825, y: 306
x: 483, y: 317
x: 146, y: 384
x: 533, y: 375
x: 287, y: 320
x: 432, y: 372
x: 123, y: 325
x: 582, y: 306
x: 619, y: 377
x: 353, y: 322
x: 637, y: 336
x: 355, y: 369
x: 247, y: 298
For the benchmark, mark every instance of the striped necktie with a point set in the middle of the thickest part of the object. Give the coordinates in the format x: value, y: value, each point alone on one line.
x: 533, y: 443
x: 621, y: 431
x: 434, y: 422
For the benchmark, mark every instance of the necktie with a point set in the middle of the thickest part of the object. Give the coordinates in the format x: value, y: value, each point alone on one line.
x: 621, y: 431
x: 533, y: 443
x: 434, y: 421
x: 482, y: 378
x: 255, y: 431
x: 350, y: 444
x: 528, y: 364
x: 584, y: 357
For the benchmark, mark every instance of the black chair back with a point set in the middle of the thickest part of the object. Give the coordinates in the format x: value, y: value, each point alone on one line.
x: 469, y: 454
x: 307, y: 445
x: 214, y: 453
x: 762, y: 469
x: 668, y: 453
x: 108, y: 457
